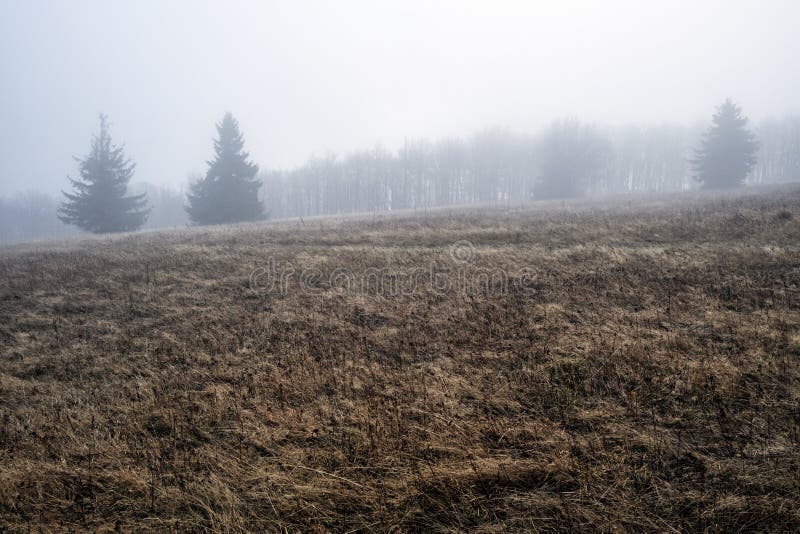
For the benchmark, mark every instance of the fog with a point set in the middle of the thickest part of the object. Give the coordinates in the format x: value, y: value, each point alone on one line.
x: 399, y: 265
x: 308, y: 78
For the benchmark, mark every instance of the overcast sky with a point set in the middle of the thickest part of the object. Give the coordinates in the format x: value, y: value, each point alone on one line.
x: 312, y: 77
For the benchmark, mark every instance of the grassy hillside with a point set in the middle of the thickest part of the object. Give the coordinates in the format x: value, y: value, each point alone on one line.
x: 629, y: 365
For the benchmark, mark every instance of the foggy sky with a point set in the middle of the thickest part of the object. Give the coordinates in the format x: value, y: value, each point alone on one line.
x: 312, y: 77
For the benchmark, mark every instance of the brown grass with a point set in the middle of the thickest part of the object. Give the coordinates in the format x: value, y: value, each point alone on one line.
x: 647, y: 378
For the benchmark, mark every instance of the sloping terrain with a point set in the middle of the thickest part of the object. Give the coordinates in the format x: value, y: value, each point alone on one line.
x: 628, y: 365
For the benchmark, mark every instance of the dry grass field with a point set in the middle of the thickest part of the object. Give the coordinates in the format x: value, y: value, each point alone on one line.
x: 627, y: 365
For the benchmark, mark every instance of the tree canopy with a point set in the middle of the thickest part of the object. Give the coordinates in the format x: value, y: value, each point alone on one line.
x: 571, y: 154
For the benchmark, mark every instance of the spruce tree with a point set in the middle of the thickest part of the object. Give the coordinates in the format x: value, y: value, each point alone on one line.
x: 229, y: 191
x: 99, y: 203
x: 728, y: 150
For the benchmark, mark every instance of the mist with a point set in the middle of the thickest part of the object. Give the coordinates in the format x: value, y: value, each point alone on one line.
x: 408, y: 266
x: 314, y: 78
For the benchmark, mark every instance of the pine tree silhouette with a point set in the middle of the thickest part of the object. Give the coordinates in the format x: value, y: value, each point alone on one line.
x: 728, y: 150
x: 99, y: 203
x: 229, y: 191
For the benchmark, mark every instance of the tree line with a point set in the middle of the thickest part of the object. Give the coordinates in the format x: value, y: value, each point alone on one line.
x: 568, y: 159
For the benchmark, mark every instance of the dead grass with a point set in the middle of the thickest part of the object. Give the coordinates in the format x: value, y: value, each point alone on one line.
x: 646, y: 379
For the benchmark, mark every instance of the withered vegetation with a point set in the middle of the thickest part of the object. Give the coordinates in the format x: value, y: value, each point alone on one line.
x: 644, y: 377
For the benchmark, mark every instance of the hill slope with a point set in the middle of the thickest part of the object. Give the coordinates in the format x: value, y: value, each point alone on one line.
x: 594, y: 366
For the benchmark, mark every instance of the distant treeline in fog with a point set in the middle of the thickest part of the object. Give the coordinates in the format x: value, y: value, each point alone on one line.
x: 31, y: 215
x: 495, y: 166
x: 499, y: 166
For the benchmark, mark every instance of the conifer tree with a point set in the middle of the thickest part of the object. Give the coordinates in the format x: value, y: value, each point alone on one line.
x: 99, y: 202
x: 229, y: 191
x: 728, y: 150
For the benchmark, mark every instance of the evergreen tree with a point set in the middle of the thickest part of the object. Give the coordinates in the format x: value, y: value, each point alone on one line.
x: 99, y: 203
x: 229, y: 191
x: 727, y: 152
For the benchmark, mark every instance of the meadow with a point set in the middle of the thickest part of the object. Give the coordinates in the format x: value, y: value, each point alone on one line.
x: 629, y: 364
